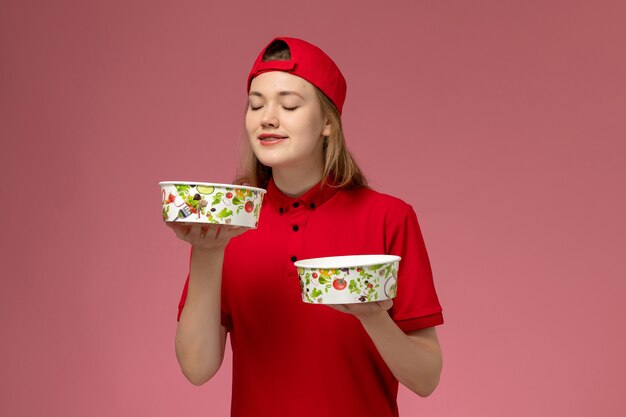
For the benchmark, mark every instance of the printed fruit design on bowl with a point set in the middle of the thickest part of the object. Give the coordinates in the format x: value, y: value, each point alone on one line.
x: 344, y: 285
x: 207, y: 203
x: 205, y: 189
x: 339, y: 284
x: 390, y: 287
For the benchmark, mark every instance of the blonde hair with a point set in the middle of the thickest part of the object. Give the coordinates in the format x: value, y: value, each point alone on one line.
x: 340, y: 168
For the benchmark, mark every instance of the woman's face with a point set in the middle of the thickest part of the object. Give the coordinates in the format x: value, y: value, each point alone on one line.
x: 284, y: 121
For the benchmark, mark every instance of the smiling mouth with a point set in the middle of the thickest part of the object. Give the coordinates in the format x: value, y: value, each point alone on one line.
x: 271, y: 139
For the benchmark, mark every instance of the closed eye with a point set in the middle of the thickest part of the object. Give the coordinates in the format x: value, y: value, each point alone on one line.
x: 286, y: 108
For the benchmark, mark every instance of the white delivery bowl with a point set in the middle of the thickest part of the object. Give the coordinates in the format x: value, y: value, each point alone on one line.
x: 348, y: 279
x: 211, y: 203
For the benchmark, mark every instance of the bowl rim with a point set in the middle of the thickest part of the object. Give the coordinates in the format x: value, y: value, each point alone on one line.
x: 350, y: 261
x: 211, y: 184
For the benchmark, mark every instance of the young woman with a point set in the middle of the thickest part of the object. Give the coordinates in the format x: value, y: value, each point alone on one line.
x: 291, y: 358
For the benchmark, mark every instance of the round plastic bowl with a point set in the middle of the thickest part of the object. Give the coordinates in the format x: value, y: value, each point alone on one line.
x: 204, y: 202
x: 348, y: 279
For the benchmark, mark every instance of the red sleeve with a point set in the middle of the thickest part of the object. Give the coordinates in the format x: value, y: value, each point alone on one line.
x: 416, y: 305
x: 183, y: 298
x: 226, y: 320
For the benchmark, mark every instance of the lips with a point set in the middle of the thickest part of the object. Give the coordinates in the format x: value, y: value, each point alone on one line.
x: 271, y: 136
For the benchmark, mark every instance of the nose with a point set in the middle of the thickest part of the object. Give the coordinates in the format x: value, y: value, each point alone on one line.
x: 269, y: 118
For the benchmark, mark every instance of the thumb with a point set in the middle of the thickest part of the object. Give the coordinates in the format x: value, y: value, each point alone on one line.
x: 385, y: 304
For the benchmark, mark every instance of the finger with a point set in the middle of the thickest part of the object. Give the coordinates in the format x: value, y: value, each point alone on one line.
x: 339, y: 307
x: 174, y: 225
x: 195, y: 232
x: 386, y: 304
x: 238, y: 230
x: 241, y: 230
x: 180, y: 231
x: 232, y: 231
x: 208, y: 231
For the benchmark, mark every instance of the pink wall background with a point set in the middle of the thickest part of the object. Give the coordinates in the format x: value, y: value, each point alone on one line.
x: 502, y: 123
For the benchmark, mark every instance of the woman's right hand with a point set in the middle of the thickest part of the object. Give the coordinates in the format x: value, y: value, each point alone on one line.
x: 206, y: 237
x: 200, y: 337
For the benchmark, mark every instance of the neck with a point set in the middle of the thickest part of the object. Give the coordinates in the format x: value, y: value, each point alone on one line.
x: 294, y: 181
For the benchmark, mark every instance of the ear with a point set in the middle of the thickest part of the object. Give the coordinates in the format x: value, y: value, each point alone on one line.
x: 327, y: 128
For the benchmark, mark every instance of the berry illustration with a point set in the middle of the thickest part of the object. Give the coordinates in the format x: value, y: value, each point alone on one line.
x: 229, y: 195
x: 249, y: 207
x: 339, y: 284
x: 314, y: 275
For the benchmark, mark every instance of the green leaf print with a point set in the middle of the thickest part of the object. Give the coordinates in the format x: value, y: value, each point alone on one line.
x: 353, y: 287
x: 393, y: 290
x: 181, y: 188
x: 217, y: 198
x: 193, y: 203
x: 388, y: 271
x: 366, y: 276
x: 224, y: 213
x: 315, y: 293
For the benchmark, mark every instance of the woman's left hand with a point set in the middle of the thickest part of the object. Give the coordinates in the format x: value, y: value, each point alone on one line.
x: 364, y: 310
x: 414, y: 358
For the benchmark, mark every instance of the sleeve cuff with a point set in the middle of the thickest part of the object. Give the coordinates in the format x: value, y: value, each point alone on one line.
x: 420, y: 322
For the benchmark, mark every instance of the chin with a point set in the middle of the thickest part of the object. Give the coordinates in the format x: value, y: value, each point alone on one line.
x: 270, y: 162
x: 271, y: 159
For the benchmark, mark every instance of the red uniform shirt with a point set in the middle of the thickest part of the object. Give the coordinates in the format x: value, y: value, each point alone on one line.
x: 296, y: 359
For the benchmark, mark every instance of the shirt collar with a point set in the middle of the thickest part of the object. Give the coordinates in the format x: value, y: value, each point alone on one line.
x: 312, y: 199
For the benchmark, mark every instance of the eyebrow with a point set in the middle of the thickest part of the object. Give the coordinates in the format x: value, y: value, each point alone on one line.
x: 281, y: 93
